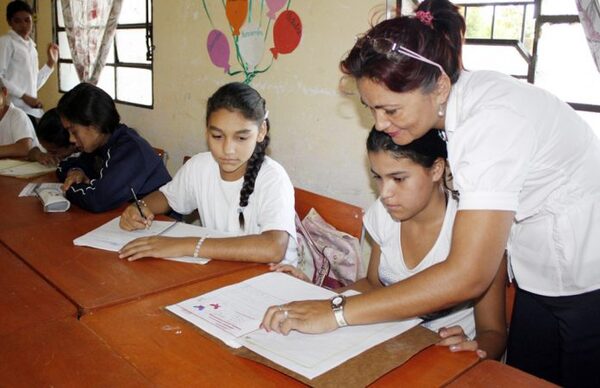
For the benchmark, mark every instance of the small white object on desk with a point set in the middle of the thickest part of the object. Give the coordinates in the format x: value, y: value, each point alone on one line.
x: 51, y: 195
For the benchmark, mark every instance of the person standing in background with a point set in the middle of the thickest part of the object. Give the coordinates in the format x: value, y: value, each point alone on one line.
x: 19, y: 68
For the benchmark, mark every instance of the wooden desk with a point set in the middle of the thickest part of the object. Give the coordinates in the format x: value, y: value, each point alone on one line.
x: 91, y: 278
x: 20, y: 211
x: 25, y: 298
x: 433, y: 367
x: 172, y: 352
x: 490, y: 373
x: 62, y: 353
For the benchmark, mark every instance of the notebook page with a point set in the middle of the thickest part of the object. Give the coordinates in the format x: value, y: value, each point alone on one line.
x: 111, y: 237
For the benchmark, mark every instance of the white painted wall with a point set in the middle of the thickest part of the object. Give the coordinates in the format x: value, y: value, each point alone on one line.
x: 317, y: 133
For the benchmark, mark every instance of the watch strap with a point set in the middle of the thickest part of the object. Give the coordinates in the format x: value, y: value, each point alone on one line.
x: 338, y: 313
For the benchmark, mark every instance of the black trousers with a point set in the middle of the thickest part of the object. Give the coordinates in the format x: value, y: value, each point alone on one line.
x: 34, y: 121
x: 557, y: 338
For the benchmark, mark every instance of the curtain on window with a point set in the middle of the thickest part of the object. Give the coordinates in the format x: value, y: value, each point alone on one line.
x: 589, y: 15
x: 90, y: 27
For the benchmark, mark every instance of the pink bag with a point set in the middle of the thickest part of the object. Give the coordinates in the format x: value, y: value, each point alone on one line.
x: 331, y: 258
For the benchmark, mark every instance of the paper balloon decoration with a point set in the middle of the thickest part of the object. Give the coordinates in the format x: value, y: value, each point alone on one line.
x: 251, y: 44
x: 236, y: 11
x: 287, y: 32
x: 274, y: 7
x: 218, y: 49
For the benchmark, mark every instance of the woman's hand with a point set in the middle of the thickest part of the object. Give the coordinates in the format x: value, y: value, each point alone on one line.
x: 74, y: 176
x: 311, y: 316
x: 455, y: 338
x: 131, y: 218
x: 52, y: 54
x: 154, y: 246
x: 31, y: 101
x: 290, y: 270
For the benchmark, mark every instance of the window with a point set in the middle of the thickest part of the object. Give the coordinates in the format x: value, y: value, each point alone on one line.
x: 128, y: 73
x: 538, y: 41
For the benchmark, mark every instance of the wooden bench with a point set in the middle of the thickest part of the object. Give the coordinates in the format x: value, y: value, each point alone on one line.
x: 343, y: 216
x: 161, y: 154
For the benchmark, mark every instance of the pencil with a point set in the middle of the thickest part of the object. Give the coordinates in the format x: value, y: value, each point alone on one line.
x: 137, y: 203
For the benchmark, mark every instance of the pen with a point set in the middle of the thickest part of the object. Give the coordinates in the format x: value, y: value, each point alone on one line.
x: 137, y: 203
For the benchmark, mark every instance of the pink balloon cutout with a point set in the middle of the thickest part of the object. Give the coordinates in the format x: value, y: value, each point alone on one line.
x: 287, y: 32
x: 274, y: 6
x: 218, y: 49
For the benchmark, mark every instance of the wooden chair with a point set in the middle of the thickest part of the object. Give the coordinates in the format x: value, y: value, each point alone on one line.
x: 343, y: 216
x: 161, y: 153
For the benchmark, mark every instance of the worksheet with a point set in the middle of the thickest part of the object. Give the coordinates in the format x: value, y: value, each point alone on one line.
x: 233, y: 315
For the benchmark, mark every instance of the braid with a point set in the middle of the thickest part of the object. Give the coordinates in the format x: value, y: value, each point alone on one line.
x: 254, y: 165
x: 242, y: 98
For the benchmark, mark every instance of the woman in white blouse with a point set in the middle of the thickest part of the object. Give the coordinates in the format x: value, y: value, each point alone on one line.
x: 526, y: 166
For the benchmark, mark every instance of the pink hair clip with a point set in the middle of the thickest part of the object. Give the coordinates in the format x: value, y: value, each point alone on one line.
x: 425, y: 17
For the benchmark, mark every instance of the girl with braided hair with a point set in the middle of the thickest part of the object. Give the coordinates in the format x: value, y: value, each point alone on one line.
x: 235, y: 187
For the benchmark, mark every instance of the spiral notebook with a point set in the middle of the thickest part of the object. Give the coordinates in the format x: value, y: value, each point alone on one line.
x: 233, y: 315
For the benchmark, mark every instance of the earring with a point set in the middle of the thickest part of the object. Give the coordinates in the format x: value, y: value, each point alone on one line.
x: 441, y: 111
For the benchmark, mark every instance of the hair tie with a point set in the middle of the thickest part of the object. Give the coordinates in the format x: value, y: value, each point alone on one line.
x: 425, y: 17
x: 240, y: 210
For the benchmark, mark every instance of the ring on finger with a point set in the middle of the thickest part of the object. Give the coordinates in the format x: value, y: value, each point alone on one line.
x: 285, y: 314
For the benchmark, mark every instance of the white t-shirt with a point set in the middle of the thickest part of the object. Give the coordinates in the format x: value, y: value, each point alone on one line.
x: 385, y: 231
x: 15, y: 125
x: 198, y: 185
x: 19, y: 70
x: 512, y: 146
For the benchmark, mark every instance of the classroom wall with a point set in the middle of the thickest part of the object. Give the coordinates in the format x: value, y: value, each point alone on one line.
x: 317, y: 133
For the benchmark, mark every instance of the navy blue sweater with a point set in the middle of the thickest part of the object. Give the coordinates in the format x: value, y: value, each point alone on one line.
x: 125, y: 161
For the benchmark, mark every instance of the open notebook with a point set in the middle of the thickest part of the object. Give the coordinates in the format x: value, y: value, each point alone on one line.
x: 112, y: 238
x: 23, y: 168
x: 233, y: 315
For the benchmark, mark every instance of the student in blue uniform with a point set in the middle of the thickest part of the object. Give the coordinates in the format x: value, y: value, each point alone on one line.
x: 114, y: 158
x: 54, y: 138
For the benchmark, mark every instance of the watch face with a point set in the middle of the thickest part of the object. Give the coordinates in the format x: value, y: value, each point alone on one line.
x: 337, y: 301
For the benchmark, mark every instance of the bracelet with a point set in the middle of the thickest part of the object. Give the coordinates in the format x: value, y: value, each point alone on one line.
x: 198, y: 245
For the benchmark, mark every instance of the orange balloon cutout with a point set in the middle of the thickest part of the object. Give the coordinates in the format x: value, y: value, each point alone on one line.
x: 236, y: 11
x: 287, y: 32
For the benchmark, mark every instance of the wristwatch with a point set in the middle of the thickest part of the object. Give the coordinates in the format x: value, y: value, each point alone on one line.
x: 337, y: 305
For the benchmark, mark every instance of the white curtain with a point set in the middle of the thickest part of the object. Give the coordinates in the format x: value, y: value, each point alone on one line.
x: 90, y: 27
x: 589, y: 15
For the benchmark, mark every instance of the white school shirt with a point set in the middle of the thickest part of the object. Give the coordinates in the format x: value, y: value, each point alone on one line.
x: 385, y: 231
x: 198, y: 185
x: 516, y: 147
x: 19, y: 70
x: 15, y: 125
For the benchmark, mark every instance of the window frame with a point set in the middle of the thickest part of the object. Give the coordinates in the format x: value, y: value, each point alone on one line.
x: 531, y: 59
x: 147, y: 26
